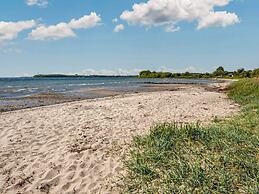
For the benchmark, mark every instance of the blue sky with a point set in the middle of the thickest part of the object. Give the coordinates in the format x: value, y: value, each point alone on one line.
x: 200, y: 41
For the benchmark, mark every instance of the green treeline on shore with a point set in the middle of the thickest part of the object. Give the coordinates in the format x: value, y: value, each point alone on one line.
x: 57, y: 75
x: 74, y: 76
x: 218, y: 73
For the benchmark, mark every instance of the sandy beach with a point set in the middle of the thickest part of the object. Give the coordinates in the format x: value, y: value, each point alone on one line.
x: 77, y: 147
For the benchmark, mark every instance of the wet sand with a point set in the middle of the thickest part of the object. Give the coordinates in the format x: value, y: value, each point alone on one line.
x: 46, y: 99
x: 77, y: 147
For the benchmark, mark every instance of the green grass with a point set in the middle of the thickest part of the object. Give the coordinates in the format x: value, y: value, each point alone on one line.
x: 221, y: 158
x: 245, y: 91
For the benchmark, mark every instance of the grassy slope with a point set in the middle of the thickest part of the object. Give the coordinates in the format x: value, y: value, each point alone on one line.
x: 222, y: 158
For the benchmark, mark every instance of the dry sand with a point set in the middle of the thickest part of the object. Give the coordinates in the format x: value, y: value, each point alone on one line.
x: 77, y: 147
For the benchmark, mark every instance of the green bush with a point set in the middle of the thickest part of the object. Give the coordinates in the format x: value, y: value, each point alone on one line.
x: 245, y: 91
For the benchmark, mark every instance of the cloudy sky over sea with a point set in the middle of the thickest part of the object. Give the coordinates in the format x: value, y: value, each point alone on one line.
x: 123, y: 37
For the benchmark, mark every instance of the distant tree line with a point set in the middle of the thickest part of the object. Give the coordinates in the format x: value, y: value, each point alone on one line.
x: 218, y: 73
x: 56, y: 75
x: 75, y: 76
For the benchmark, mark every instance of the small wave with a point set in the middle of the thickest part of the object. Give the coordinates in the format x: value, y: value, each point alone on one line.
x: 20, y: 90
x: 32, y: 89
x: 87, y: 84
x: 26, y: 89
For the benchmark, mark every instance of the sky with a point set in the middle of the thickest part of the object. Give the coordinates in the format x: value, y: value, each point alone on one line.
x: 124, y: 37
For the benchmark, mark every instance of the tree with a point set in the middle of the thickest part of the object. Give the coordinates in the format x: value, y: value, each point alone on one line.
x: 242, y: 73
x: 145, y: 73
x: 255, y: 73
x: 219, y: 72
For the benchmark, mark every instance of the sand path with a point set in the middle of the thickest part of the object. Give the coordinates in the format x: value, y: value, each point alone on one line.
x: 76, y: 147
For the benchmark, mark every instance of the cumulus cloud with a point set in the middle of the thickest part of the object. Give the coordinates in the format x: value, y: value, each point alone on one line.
x: 167, y: 13
x: 221, y: 19
x: 41, y: 3
x: 64, y: 30
x: 54, y: 32
x: 119, y: 28
x: 10, y: 30
x: 87, y: 21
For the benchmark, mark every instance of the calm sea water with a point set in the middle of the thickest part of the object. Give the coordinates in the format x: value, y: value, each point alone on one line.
x: 20, y: 87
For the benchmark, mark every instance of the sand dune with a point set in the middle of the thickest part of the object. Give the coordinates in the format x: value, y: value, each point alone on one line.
x: 77, y: 147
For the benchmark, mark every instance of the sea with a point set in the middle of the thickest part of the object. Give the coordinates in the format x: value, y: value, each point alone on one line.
x: 17, y: 87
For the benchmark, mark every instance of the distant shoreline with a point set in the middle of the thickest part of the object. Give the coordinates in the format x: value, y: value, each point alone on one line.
x: 77, y: 76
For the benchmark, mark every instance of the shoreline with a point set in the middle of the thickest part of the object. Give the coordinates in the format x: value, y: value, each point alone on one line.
x: 46, y: 99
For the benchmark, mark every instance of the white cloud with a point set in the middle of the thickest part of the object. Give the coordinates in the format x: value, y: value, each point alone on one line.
x: 54, y: 32
x: 41, y: 3
x: 171, y: 28
x: 10, y: 30
x: 221, y: 19
x: 64, y: 30
x: 115, y: 20
x: 87, y: 21
x: 169, y: 12
x: 119, y: 28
